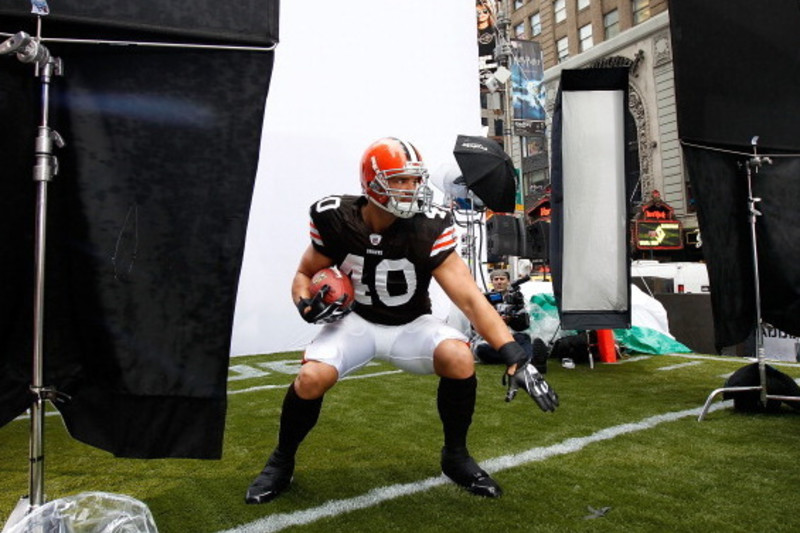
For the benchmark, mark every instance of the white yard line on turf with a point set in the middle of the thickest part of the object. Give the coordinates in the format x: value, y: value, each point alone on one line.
x: 735, y: 359
x: 277, y: 522
x: 253, y: 389
x: 284, y: 385
x: 631, y: 359
x: 680, y: 365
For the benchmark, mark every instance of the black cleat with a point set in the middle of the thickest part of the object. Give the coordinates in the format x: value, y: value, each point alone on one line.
x: 272, y: 481
x: 464, y: 471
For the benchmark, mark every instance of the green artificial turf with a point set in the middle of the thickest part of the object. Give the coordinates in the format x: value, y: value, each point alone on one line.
x: 730, y: 472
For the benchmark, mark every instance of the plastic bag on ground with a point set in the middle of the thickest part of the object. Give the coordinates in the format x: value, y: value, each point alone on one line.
x: 88, y: 512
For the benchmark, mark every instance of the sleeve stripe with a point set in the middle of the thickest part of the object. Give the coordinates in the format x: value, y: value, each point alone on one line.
x: 316, y: 238
x: 445, y: 241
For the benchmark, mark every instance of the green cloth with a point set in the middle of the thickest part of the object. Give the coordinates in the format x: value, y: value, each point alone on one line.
x: 645, y: 340
x: 545, y: 325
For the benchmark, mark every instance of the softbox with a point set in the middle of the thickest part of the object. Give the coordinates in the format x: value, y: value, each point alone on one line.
x: 589, y: 226
x: 146, y: 220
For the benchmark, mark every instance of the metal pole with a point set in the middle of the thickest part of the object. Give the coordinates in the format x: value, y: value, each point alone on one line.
x: 755, y: 162
x: 37, y: 383
x: 30, y: 50
x: 42, y: 173
x: 156, y: 44
x: 504, y: 55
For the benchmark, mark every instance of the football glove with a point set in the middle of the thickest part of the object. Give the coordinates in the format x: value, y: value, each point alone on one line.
x: 321, y: 312
x: 527, y: 378
x: 512, y: 353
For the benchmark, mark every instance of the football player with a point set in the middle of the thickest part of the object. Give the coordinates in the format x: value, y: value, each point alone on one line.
x: 391, y: 241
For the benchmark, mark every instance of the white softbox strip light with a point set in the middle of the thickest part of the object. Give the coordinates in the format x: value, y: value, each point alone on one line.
x: 593, y: 155
x: 590, y: 164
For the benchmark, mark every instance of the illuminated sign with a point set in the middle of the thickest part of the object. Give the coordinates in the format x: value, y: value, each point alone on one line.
x: 657, y: 214
x: 540, y: 211
x: 657, y: 209
x: 652, y: 235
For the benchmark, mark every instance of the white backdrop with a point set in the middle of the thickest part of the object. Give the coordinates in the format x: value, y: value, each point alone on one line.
x: 345, y: 74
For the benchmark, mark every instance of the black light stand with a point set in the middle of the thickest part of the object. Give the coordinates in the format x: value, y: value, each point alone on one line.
x: 30, y: 50
x: 752, y: 166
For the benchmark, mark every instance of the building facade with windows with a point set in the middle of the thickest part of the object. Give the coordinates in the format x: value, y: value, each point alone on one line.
x: 575, y: 34
x: 566, y: 28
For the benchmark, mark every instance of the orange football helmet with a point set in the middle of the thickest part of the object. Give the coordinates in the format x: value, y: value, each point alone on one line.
x: 390, y: 158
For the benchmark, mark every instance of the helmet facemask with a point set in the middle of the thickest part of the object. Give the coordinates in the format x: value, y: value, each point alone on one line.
x: 402, y: 203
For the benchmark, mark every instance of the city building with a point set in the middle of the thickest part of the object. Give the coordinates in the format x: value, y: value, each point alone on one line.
x: 576, y: 34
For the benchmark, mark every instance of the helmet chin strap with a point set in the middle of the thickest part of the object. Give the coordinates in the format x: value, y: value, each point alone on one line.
x: 394, y: 211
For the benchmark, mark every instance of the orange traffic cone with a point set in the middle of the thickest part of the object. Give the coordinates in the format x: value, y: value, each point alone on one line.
x: 606, y: 348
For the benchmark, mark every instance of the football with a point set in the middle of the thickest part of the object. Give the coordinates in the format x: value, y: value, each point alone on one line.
x: 339, y: 284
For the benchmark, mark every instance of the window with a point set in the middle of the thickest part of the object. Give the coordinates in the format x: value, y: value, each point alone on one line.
x: 534, y: 182
x: 611, y: 24
x: 641, y: 11
x: 494, y: 101
x: 585, y: 35
x: 560, y: 8
x: 539, y: 177
x: 518, y: 3
x: 562, y: 45
x: 691, y: 202
x: 498, y: 127
x: 519, y: 30
x: 536, y: 25
x: 533, y: 146
x: 583, y: 4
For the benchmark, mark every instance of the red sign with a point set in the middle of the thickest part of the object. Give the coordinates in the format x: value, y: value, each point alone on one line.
x: 540, y: 211
x: 655, y: 214
x: 656, y: 209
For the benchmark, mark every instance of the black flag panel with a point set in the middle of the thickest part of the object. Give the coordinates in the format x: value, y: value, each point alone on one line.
x: 146, y: 219
x: 720, y: 186
x: 744, y: 84
x: 245, y: 22
x: 737, y: 73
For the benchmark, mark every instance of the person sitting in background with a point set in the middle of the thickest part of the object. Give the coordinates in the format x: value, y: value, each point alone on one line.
x: 510, y: 305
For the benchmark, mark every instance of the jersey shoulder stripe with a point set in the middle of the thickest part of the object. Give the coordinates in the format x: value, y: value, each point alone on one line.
x: 334, y: 224
x: 316, y: 238
x: 445, y: 241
